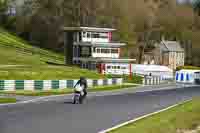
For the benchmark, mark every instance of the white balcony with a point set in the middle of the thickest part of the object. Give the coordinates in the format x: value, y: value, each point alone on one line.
x: 105, y: 55
x: 106, y: 40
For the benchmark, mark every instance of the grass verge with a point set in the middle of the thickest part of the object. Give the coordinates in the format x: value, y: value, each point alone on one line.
x: 110, y: 87
x: 46, y: 72
x: 35, y: 63
x: 188, y: 68
x: 64, y: 91
x: 16, y: 50
x: 7, y: 100
x: 182, y: 117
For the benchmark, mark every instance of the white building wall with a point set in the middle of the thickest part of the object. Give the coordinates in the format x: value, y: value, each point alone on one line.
x: 117, y: 68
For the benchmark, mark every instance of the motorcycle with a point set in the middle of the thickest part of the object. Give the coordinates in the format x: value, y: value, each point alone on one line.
x: 78, y: 93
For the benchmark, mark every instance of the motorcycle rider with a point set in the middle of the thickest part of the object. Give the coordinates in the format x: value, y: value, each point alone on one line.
x: 82, y: 82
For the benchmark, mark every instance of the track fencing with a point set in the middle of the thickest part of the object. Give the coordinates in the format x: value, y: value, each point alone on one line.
x: 155, y: 80
x: 32, y: 85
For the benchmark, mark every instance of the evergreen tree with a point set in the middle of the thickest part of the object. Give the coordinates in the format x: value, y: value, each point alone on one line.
x: 196, y: 5
x: 3, y: 8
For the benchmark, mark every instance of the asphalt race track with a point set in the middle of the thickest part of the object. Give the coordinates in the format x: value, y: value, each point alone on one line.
x: 98, y: 113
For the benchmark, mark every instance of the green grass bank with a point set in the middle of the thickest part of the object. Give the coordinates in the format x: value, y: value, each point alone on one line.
x: 7, y: 100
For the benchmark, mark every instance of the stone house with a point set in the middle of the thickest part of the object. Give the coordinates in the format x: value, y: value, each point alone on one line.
x: 172, y: 54
x: 167, y: 53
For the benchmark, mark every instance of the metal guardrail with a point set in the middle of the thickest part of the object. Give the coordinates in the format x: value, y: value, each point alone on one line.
x: 155, y: 80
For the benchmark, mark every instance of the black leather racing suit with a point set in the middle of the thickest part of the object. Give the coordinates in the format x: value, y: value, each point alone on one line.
x: 83, y: 82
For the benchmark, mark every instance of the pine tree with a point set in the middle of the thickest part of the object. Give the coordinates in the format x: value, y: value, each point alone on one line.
x: 196, y: 5
x: 3, y: 8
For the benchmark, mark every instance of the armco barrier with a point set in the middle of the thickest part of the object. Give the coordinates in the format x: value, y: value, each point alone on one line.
x: 31, y: 85
x: 154, y: 80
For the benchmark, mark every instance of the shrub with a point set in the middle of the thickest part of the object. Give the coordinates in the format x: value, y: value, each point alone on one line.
x: 134, y: 79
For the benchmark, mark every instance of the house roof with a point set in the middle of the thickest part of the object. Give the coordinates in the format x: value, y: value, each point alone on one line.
x: 172, y: 46
x: 95, y: 29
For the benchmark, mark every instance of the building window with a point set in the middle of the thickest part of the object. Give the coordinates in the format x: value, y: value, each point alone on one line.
x: 85, y: 51
x: 95, y: 35
x: 84, y: 34
x: 105, y: 51
x: 80, y: 38
x: 88, y: 35
x: 99, y: 35
x: 94, y: 50
x: 115, y: 51
x: 115, y: 67
x: 98, y: 50
x: 108, y: 67
x: 74, y: 52
x: 104, y: 35
x: 123, y: 68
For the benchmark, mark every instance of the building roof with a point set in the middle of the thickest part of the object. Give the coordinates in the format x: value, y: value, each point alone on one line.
x: 101, y: 44
x: 88, y: 29
x: 172, y: 46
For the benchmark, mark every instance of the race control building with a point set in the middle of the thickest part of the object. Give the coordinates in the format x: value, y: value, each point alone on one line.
x: 92, y: 48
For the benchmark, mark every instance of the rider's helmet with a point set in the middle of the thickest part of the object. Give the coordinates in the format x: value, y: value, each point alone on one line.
x: 82, y: 78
